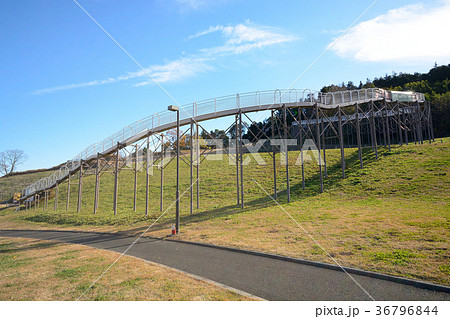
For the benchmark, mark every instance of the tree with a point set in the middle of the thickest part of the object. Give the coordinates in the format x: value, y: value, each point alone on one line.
x: 10, y: 159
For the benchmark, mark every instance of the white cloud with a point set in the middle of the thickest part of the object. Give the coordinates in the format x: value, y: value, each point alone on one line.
x: 414, y: 33
x: 74, y: 86
x: 211, y: 29
x: 172, y: 71
x: 239, y: 39
x: 243, y: 37
x: 175, y: 71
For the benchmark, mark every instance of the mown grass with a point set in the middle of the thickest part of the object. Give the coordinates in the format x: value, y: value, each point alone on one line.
x: 392, y: 216
x: 67, y: 271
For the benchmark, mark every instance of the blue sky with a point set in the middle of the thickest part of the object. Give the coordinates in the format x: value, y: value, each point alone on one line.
x: 65, y: 84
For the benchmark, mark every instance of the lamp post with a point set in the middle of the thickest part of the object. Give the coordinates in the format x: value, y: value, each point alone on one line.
x: 177, y: 205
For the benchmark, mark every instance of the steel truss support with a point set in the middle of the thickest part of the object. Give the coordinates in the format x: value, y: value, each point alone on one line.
x: 399, y: 126
x: 56, y: 197
x: 341, y: 141
x: 44, y: 207
x: 241, y: 155
x: 373, y: 129
x: 147, y: 175
x: 116, y: 178
x: 388, y: 132
x: 419, y: 122
x: 161, y: 194
x: 376, y: 122
x: 68, y: 192
x: 97, y: 184
x: 405, y: 124
x: 191, y: 169
x: 431, y: 122
x: 236, y: 123
x: 275, y: 192
x: 318, y: 147
x: 300, y: 135
x: 80, y: 187
x: 197, y: 148
x: 285, y: 129
x: 135, y: 176
x: 323, y: 147
x: 358, y: 135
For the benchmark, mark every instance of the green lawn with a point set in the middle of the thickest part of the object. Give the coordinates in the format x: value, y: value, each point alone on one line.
x: 66, y: 272
x: 392, y: 216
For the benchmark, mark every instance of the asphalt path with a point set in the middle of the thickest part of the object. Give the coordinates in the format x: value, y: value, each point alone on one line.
x: 265, y: 277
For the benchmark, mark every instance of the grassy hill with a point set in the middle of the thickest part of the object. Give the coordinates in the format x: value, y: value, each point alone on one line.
x: 392, y: 216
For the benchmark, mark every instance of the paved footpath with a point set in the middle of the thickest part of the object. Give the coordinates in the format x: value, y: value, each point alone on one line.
x: 264, y: 277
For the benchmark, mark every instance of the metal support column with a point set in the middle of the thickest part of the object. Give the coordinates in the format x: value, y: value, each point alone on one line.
x: 358, y: 135
x: 97, y: 183
x: 400, y: 135
x: 405, y: 126
x: 237, y: 159
x: 197, y: 157
x: 323, y: 147
x: 431, y: 122
x: 161, y: 195
x: 275, y: 192
x: 135, y: 177
x: 288, y: 188
x: 80, y: 187
x: 147, y: 172
x: 56, y: 197
x: 415, y: 129
x: 191, y: 169
x: 45, y: 200
x: 383, y: 121
x: 68, y: 192
x: 241, y: 155
x: 373, y: 130
x: 116, y: 179
x: 427, y: 121
x: 301, y: 148
x: 388, y: 134
x: 419, y: 123
x: 341, y: 141
x: 318, y: 147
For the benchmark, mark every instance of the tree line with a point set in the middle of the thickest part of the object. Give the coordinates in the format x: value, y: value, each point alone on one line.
x: 435, y: 85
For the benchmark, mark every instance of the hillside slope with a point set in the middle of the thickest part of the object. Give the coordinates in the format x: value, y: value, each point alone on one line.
x: 392, y: 216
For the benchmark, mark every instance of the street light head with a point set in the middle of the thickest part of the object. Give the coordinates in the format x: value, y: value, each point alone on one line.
x: 173, y: 108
